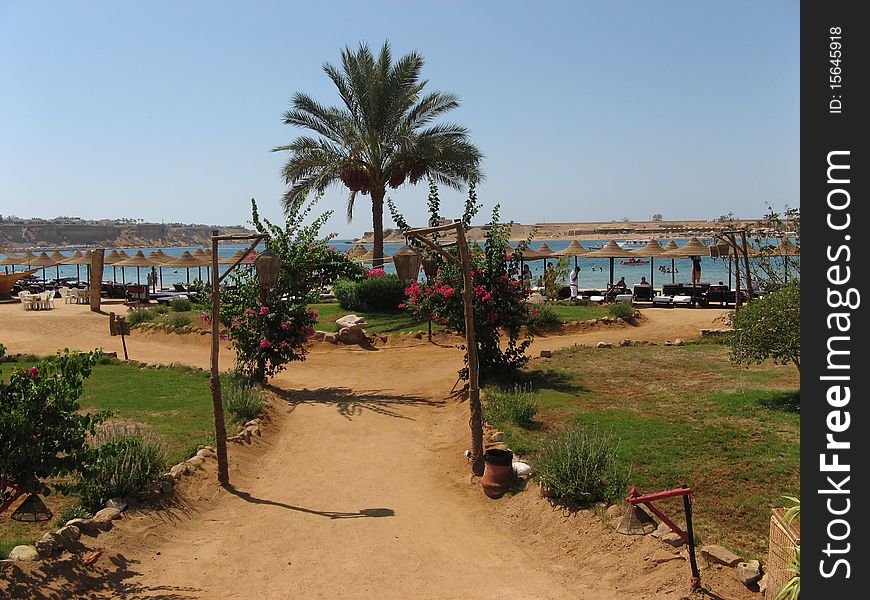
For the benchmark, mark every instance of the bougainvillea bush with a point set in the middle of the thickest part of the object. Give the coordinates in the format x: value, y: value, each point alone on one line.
x: 42, y: 433
x: 269, y: 334
x: 498, y: 298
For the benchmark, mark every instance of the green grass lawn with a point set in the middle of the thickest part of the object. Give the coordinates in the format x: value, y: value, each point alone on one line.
x: 377, y: 322
x: 684, y: 415
x: 174, y: 402
x: 577, y: 312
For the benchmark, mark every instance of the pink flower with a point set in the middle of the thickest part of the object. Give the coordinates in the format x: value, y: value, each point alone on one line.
x: 34, y: 372
x: 378, y: 272
x: 314, y: 313
x: 264, y: 343
x: 249, y: 311
x: 264, y: 310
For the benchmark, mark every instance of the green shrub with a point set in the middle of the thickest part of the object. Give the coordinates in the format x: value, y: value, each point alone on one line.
x: 180, y: 305
x: 543, y: 316
x: 372, y: 294
x: 581, y: 466
x: 514, y: 407
x: 140, y: 315
x: 241, y: 401
x: 70, y: 513
x: 129, y: 461
x: 177, y: 320
x: 160, y: 309
x: 621, y: 309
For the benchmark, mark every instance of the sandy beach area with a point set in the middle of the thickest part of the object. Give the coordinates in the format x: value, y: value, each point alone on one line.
x: 357, y: 489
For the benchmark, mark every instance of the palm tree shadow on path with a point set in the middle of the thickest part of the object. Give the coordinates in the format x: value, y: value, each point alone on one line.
x: 352, y: 403
x: 108, y: 577
x: 329, y: 514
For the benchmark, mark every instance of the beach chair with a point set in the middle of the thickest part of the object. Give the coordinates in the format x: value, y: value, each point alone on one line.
x: 663, y: 301
x: 623, y: 298
x: 681, y: 300
x: 65, y: 294
x: 44, y: 300
x: 643, y: 293
x: 28, y: 300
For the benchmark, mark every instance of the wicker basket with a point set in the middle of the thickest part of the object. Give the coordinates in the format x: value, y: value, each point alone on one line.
x: 783, y: 539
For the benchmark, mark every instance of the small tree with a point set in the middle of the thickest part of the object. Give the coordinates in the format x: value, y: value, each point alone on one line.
x: 768, y: 327
x: 657, y: 217
x: 267, y: 335
x: 42, y: 433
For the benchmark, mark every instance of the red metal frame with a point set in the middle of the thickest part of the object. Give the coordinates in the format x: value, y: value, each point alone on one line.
x: 635, y: 498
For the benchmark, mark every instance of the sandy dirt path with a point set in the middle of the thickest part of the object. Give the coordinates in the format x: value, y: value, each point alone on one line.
x: 358, y: 489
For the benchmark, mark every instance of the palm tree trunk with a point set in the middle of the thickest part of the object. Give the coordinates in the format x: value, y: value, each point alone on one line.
x: 378, y: 226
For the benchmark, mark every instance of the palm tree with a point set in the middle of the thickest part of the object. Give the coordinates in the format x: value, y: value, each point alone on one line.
x: 382, y: 135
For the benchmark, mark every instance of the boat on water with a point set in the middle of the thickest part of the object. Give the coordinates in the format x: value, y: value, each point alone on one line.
x: 629, y: 244
x: 634, y: 261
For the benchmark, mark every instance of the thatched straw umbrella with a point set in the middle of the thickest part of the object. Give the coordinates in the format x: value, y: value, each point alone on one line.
x: 672, y: 245
x: 369, y: 257
x: 138, y: 260
x: 574, y: 249
x: 610, y: 250
x: 187, y: 260
x: 110, y: 259
x: 693, y: 249
x: 650, y: 251
x: 78, y: 259
x: 357, y: 250
x: 60, y: 259
x: 43, y: 260
x: 11, y: 259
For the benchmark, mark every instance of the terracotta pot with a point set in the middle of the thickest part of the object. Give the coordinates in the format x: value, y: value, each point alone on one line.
x: 497, y: 472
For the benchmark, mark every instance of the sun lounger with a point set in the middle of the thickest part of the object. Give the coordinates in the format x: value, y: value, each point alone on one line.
x: 662, y: 301
x: 623, y: 298
x: 598, y: 299
x: 682, y: 300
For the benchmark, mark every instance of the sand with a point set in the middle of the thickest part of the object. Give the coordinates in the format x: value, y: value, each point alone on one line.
x: 357, y: 489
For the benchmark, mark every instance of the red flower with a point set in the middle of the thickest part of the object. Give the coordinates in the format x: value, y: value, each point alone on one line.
x: 34, y: 372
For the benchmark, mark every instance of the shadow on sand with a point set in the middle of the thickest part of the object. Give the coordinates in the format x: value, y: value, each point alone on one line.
x: 330, y: 514
x: 352, y: 403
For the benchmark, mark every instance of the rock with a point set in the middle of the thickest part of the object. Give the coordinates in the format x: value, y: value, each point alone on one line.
x: 167, y: 488
x: 205, y: 453
x: 662, y: 556
x: 234, y: 438
x: 749, y: 572
x: 679, y: 342
x: 107, y: 514
x: 196, y: 462
x: 661, y: 530
x: 116, y: 503
x: 350, y: 321
x: 24, y: 553
x: 318, y: 336
x: 713, y: 332
x: 615, y: 512
x: 86, y: 525
x: 522, y: 469
x: 351, y: 335
x: 69, y: 533
x: 604, y: 345
x: 668, y: 343
x: 719, y: 555
x: 254, y: 430
x: 674, y: 539
x: 625, y: 343
x: 45, y: 548
x: 535, y: 298
x: 547, y: 491
x: 332, y: 338
x: 546, y: 354
x: 498, y: 436
x: 256, y: 422
x: 179, y: 470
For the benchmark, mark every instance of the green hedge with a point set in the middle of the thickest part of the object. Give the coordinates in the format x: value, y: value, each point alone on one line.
x: 373, y: 294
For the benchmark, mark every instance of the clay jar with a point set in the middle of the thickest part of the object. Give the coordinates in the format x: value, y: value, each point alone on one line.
x: 497, y: 472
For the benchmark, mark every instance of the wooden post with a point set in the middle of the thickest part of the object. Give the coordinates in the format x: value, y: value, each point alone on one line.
x: 220, y: 428
x: 749, y: 290
x: 476, y: 421
x: 96, y: 282
x: 737, y: 299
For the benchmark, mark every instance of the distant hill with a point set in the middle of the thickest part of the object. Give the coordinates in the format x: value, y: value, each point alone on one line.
x: 594, y: 230
x: 65, y: 232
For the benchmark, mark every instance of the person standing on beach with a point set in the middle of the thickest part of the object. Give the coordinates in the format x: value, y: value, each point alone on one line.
x: 696, y: 270
x: 574, y: 280
x: 550, y: 281
x: 527, y: 277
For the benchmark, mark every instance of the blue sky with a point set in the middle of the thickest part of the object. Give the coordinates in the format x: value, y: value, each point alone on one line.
x: 167, y: 111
